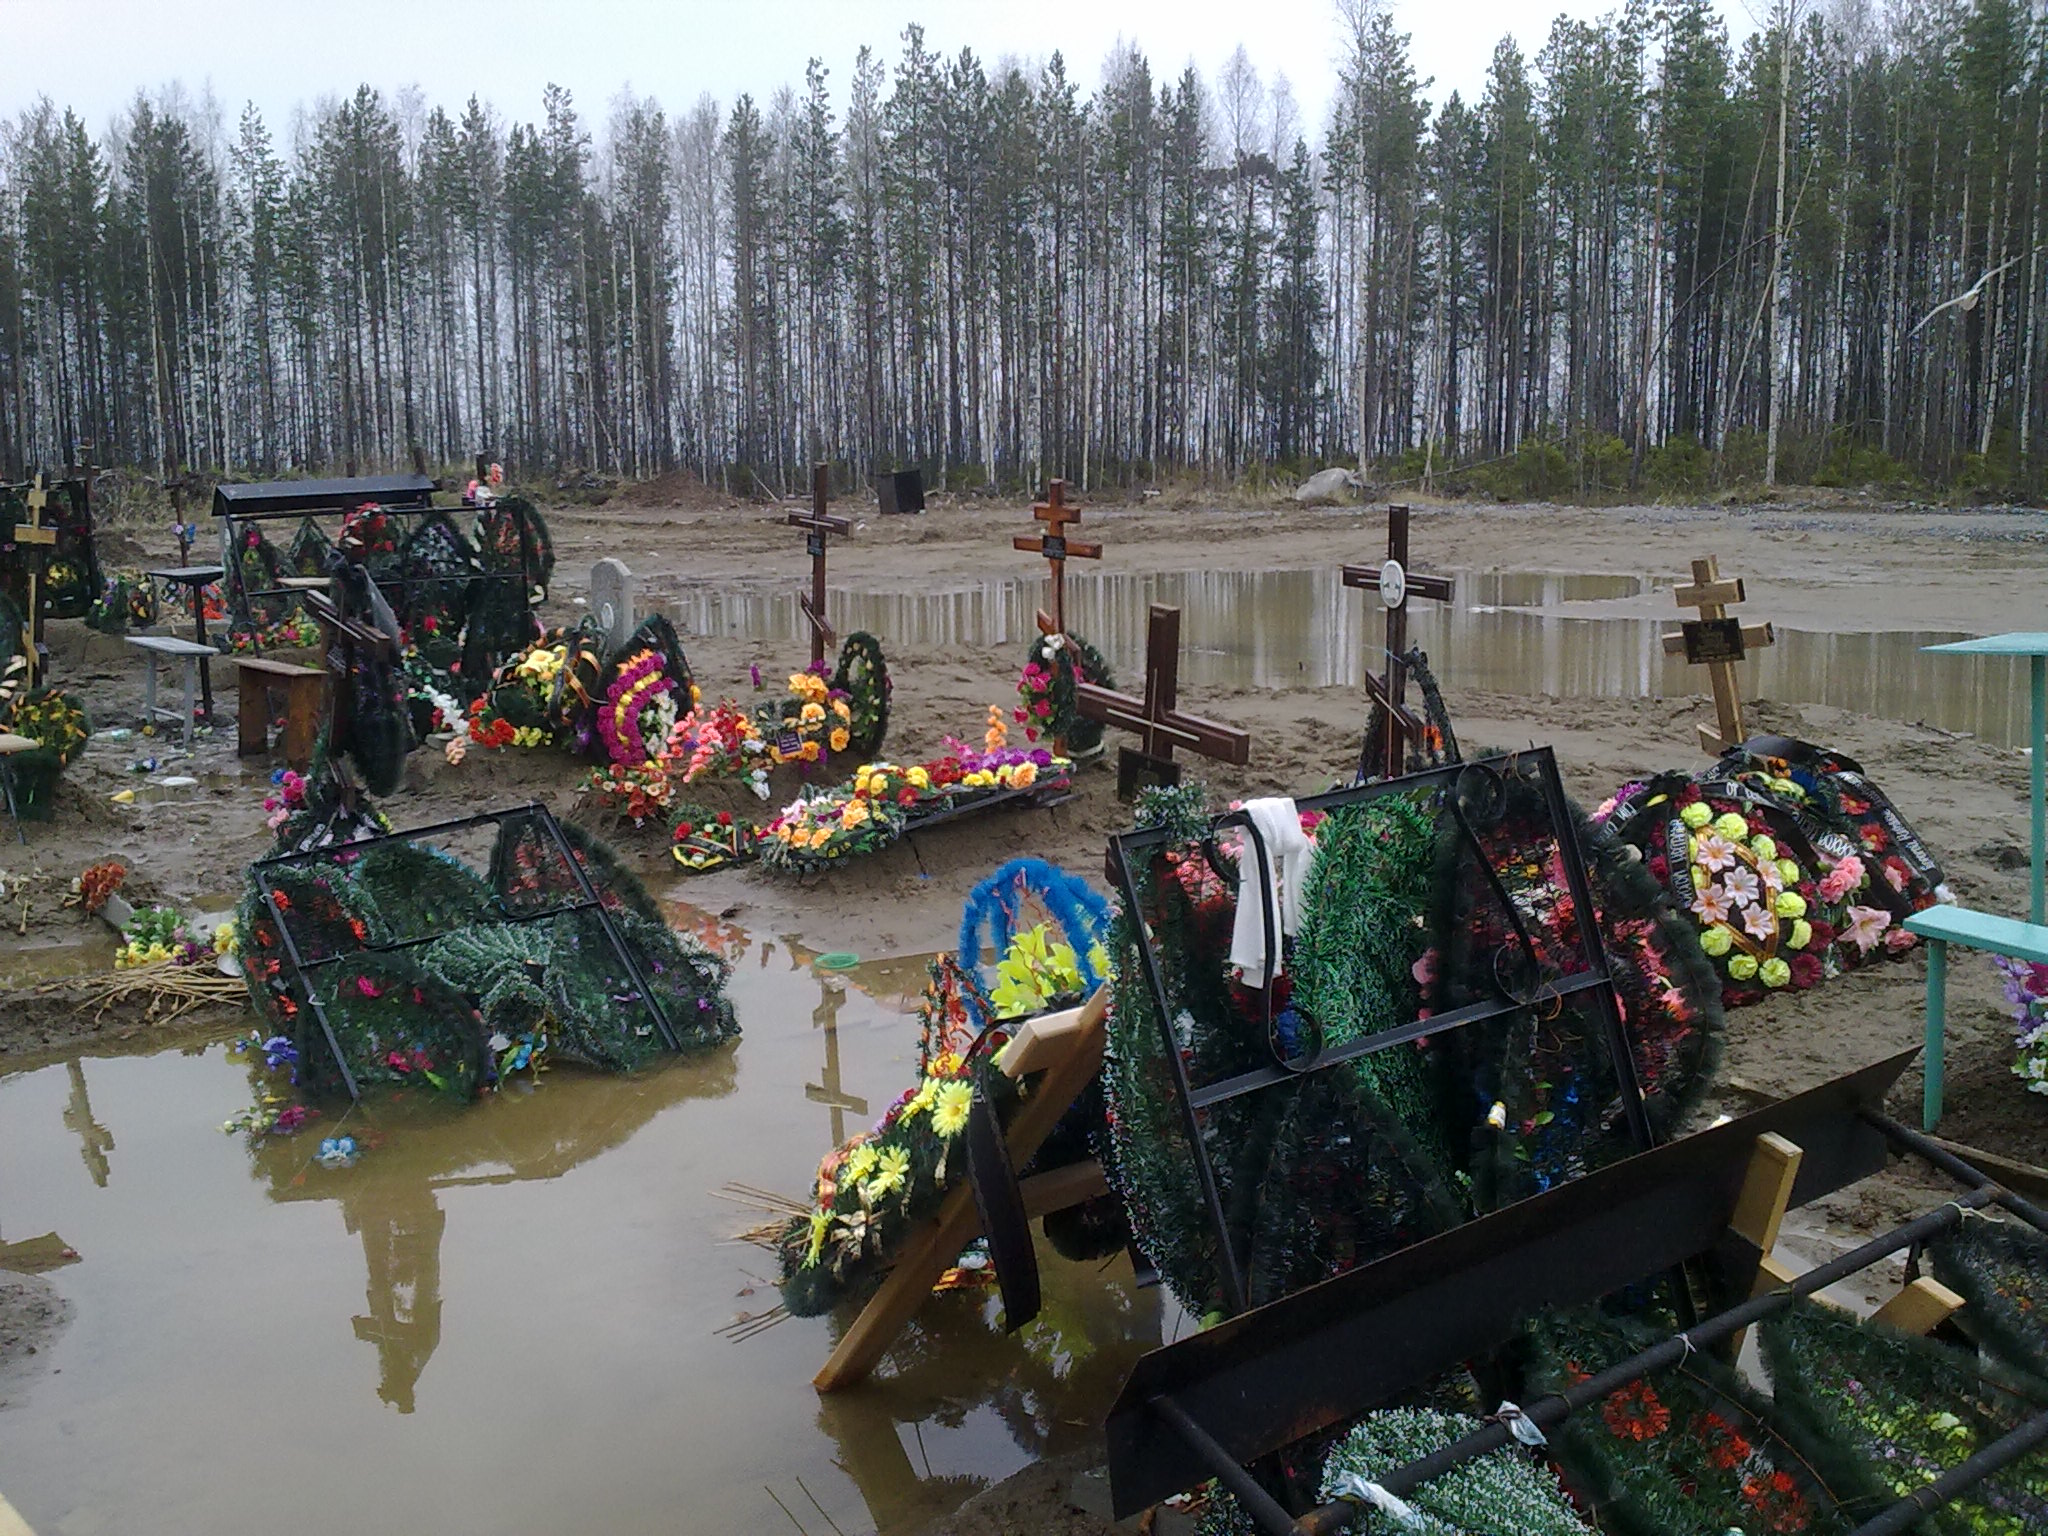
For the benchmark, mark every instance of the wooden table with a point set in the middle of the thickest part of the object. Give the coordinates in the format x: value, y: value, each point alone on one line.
x: 197, y: 578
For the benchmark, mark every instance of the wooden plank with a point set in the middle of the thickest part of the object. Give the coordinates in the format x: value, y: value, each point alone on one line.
x: 1040, y: 1041
x: 25, y: 534
x: 1920, y: 1308
x: 1703, y: 594
x: 931, y: 1251
x: 1766, y: 1191
x: 286, y: 670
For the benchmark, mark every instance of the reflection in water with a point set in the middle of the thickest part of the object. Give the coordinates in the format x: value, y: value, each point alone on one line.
x: 526, y: 1132
x: 1303, y: 628
x: 600, y: 1209
x: 1046, y: 1386
x: 95, y: 1141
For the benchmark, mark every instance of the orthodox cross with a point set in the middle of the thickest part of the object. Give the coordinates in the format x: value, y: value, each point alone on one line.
x: 1156, y: 719
x: 1057, y: 514
x: 1388, y: 754
x: 817, y: 525
x: 1717, y: 641
x: 829, y: 1090
x: 33, y: 546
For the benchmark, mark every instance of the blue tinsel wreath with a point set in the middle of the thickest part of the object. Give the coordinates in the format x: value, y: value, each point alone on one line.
x: 1082, y: 914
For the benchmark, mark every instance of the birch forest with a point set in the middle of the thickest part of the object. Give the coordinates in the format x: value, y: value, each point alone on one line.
x: 1644, y: 258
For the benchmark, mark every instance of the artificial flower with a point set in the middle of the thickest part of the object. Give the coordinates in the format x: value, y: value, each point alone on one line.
x: 1742, y: 967
x: 950, y: 1106
x: 1774, y: 972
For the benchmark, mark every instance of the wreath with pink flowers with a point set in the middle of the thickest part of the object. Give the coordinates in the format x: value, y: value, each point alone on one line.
x: 1746, y: 876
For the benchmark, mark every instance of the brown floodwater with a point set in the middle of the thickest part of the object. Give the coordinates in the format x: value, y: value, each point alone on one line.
x: 506, y: 1319
x: 1528, y: 632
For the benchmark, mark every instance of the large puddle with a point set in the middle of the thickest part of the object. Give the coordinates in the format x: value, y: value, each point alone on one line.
x: 507, y: 1319
x: 1527, y: 632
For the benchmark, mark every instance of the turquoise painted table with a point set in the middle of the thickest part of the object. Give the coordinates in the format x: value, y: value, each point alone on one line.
x: 1942, y: 925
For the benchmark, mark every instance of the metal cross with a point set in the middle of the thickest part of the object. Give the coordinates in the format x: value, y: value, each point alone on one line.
x: 817, y: 525
x: 1057, y: 514
x: 1156, y: 719
x: 1395, y: 585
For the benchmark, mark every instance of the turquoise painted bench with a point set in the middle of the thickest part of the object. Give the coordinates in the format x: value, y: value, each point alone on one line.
x: 1940, y: 927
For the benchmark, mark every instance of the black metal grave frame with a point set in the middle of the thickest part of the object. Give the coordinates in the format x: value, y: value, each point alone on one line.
x: 1474, y: 796
x: 587, y: 900
x: 1207, y: 1405
x: 289, y: 500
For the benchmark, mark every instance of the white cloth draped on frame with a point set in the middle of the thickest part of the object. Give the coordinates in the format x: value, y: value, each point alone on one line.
x: 1285, y: 849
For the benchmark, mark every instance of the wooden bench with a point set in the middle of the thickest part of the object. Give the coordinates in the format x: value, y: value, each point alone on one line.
x: 305, y: 691
x: 1945, y: 925
x: 195, y: 656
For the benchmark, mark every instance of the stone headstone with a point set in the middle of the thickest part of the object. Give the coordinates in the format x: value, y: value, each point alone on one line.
x: 612, y: 601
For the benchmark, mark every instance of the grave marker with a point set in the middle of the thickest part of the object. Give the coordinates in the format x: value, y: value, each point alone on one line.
x: 33, y: 547
x: 613, y: 591
x: 817, y: 526
x: 1156, y: 719
x: 1716, y: 641
x: 1387, y: 756
x: 830, y: 1090
x: 1058, y: 514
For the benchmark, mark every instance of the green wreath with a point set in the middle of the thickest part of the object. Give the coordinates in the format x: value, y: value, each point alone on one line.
x: 1692, y: 1449
x: 1362, y: 1129
x: 1878, y: 1415
x: 2000, y: 1269
x: 1055, y: 665
x: 60, y: 725
x: 1501, y: 1491
x: 863, y: 676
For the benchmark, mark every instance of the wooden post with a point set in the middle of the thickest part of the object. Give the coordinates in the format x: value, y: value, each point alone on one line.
x: 1057, y: 513
x: 1923, y: 1306
x: 1071, y: 1055
x: 1156, y: 719
x: 817, y: 525
x: 1760, y: 1209
x: 1388, y: 755
x: 1717, y: 641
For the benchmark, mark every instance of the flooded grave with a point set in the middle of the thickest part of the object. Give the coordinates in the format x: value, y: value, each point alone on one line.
x: 513, y: 1317
x: 1524, y: 632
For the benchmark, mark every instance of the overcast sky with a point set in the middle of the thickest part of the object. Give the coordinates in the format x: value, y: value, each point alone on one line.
x: 93, y: 55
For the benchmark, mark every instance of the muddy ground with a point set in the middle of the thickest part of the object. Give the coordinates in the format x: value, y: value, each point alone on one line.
x: 1820, y: 565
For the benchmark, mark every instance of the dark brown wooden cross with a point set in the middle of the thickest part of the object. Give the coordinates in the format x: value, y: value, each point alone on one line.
x: 1158, y: 722
x: 1389, y: 689
x: 1057, y: 513
x: 347, y: 634
x: 817, y: 525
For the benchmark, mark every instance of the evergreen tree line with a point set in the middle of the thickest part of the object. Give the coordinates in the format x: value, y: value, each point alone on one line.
x: 1644, y: 255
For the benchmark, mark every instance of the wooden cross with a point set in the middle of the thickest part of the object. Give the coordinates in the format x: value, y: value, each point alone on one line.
x: 816, y: 525
x: 1717, y: 641
x: 1388, y: 755
x: 1159, y: 724
x: 829, y: 1090
x: 1057, y: 514
x: 35, y: 545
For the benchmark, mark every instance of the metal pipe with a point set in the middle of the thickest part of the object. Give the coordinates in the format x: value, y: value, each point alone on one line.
x: 1957, y: 1168
x: 1258, y: 1503
x: 1554, y: 1408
